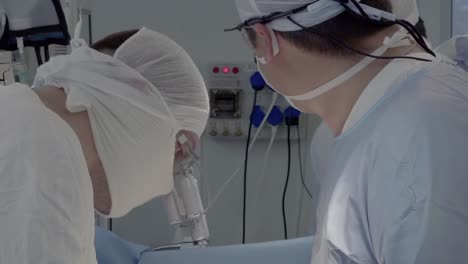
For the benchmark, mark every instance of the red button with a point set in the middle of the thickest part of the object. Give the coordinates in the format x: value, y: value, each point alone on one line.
x: 226, y: 70
x: 235, y: 70
x: 215, y: 70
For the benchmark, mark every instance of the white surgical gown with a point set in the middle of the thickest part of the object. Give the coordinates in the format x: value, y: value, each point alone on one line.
x: 46, y: 198
x: 393, y: 186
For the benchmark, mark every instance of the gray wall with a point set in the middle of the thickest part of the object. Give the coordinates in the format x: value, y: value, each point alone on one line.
x: 438, y: 17
x: 460, y: 17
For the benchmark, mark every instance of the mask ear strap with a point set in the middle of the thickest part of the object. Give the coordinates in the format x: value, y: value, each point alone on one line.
x: 274, y: 41
x: 389, y: 42
x: 275, y: 46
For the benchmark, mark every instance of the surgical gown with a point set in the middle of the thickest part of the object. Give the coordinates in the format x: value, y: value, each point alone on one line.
x: 393, y: 186
x: 46, y: 196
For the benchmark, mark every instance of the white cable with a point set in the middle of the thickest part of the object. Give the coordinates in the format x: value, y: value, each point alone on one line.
x: 20, y: 44
x: 274, y: 131
x: 273, y: 102
x: 234, y: 175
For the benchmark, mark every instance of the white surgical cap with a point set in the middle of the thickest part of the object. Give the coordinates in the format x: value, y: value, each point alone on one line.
x: 316, y: 13
x: 171, y: 70
x: 406, y: 9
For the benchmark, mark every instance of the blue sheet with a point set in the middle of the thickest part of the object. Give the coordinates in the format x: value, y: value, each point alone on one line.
x: 110, y: 249
x: 295, y: 251
x: 113, y: 250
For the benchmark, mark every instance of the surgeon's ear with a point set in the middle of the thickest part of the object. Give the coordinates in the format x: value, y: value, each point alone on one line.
x: 264, y: 42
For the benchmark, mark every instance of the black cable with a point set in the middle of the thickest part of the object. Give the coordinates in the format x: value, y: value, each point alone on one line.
x: 46, y: 53
x: 405, y: 24
x: 38, y: 55
x: 300, y: 162
x: 348, y: 47
x: 414, y: 32
x: 286, y: 185
x: 246, y: 161
x: 358, y: 6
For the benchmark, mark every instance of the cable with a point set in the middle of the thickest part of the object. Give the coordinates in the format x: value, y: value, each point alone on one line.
x: 246, y: 163
x: 405, y: 24
x: 274, y: 132
x: 46, y: 53
x: 309, y: 193
x: 38, y: 56
x: 235, y: 173
x: 270, y: 108
x: 286, y: 185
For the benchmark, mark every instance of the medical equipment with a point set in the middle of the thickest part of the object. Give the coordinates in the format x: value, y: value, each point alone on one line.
x: 38, y: 30
x: 37, y: 24
x: 231, y: 93
x: 184, y: 205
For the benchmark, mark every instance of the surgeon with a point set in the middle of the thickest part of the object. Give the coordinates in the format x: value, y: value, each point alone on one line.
x: 323, y: 138
x: 98, y: 132
x: 396, y: 172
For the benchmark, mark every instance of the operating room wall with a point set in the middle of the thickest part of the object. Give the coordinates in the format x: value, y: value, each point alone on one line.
x: 198, y: 27
x: 437, y: 15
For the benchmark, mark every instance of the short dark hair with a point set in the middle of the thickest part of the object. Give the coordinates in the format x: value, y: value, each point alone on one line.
x: 114, y: 41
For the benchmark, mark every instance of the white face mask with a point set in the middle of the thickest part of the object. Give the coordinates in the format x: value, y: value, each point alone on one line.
x: 272, y: 87
x: 397, y: 40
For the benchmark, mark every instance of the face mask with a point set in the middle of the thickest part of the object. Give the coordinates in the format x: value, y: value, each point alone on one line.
x: 133, y: 128
x: 397, y: 40
x: 272, y: 87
